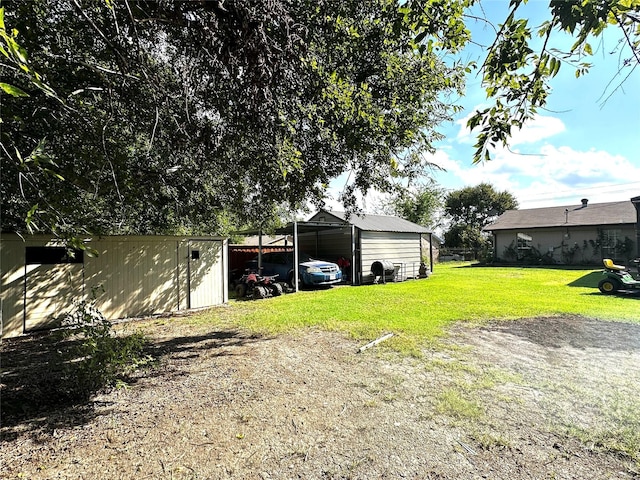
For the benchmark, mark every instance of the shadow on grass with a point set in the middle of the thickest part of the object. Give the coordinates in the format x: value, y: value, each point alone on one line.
x: 551, y: 266
x: 35, y: 398
x: 626, y: 294
x: 592, y: 279
x: 589, y: 280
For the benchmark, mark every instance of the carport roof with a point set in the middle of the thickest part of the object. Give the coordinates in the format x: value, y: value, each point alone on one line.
x: 375, y: 223
x: 334, y: 219
x: 305, y: 227
x: 302, y: 227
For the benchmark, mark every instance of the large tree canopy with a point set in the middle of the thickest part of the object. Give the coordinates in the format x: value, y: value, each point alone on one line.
x: 470, y: 209
x: 126, y: 116
x: 421, y: 204
x: 478, y: 206
x: 176, y: 116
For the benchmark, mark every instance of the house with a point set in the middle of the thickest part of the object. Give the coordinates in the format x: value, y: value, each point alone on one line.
x: 365, y: 239
x: 131, y: 276
x: 571, y: 234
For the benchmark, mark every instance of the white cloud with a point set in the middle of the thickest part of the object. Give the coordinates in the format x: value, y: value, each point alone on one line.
x: 566, y: 175
x: 535, y: 130
x: 371, y: 203
x: 554, y: 176
x: 442, y: 159
x: 539, y: 128
x: 546, y: 175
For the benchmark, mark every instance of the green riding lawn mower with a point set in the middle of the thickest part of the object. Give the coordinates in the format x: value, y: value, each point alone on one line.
x: 618, y: 279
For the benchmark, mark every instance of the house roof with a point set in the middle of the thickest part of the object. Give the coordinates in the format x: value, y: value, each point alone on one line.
x: 372, y: 223
x: 611, y: 213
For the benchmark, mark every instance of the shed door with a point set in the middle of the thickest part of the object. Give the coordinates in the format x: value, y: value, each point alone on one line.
x: 206, y: 274
x: 54, y: 284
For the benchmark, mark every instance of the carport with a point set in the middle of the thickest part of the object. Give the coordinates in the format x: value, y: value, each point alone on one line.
x: 308, y: 230
x: 361, y: 240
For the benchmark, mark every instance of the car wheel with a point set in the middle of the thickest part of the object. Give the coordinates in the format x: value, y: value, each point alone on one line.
x: 608, y: 286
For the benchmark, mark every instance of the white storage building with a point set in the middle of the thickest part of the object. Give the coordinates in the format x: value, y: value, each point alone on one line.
x: 131, y: 276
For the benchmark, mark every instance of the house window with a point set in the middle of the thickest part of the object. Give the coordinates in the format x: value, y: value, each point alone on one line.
x: 523, y: 244
x: 610, y: 242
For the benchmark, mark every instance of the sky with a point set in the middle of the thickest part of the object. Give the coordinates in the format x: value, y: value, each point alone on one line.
x: 585, y: 144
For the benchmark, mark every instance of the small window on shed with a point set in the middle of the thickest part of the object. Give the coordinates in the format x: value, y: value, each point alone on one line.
x: 52, y: 255
x: 195, y: 254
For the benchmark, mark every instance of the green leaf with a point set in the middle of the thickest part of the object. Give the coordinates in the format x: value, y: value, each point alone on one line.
x: 53, y: 174
x: 13, y: 90
x: 421, y: 36
x: 29, y: 220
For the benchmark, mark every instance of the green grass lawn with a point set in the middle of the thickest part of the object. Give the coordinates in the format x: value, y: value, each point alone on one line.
x: 419, y: 310
x: 418, y: 313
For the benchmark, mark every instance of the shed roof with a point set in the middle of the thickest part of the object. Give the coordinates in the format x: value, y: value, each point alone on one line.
x: 611, y: 213
x: 372, y: 223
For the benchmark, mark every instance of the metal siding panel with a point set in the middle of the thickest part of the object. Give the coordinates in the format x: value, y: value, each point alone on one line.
x: 183, y: 281
x: 12, y: 291
x: 45, y: 298
x: 207, y: 279
x: 52, y: 291
x: 159, y: 275
x: 394, y: 247
x: 134, y: 277
x: 106, y: 278
x: 131, y: 276
x: 332, y: 244
x: 224, y: 268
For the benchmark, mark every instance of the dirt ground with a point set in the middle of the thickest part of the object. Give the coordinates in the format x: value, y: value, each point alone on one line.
x: 533, y: 399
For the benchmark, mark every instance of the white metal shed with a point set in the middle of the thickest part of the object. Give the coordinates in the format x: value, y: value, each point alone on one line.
x: 362, y: 240
x: 131, y: 276
x: 366, y: 239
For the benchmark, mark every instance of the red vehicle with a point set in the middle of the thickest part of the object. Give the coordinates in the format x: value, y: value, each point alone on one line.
x: 255, y: 286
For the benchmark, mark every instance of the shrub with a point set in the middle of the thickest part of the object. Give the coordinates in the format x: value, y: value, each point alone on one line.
x: 93, y: 356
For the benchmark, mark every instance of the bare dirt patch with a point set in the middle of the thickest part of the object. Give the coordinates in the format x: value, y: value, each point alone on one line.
x: 538, y: 398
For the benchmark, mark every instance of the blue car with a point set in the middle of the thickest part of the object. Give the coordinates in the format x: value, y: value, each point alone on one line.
x: 312, y: 272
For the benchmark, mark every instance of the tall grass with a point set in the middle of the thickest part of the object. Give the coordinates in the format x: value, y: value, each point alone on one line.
x: 420, y: 310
